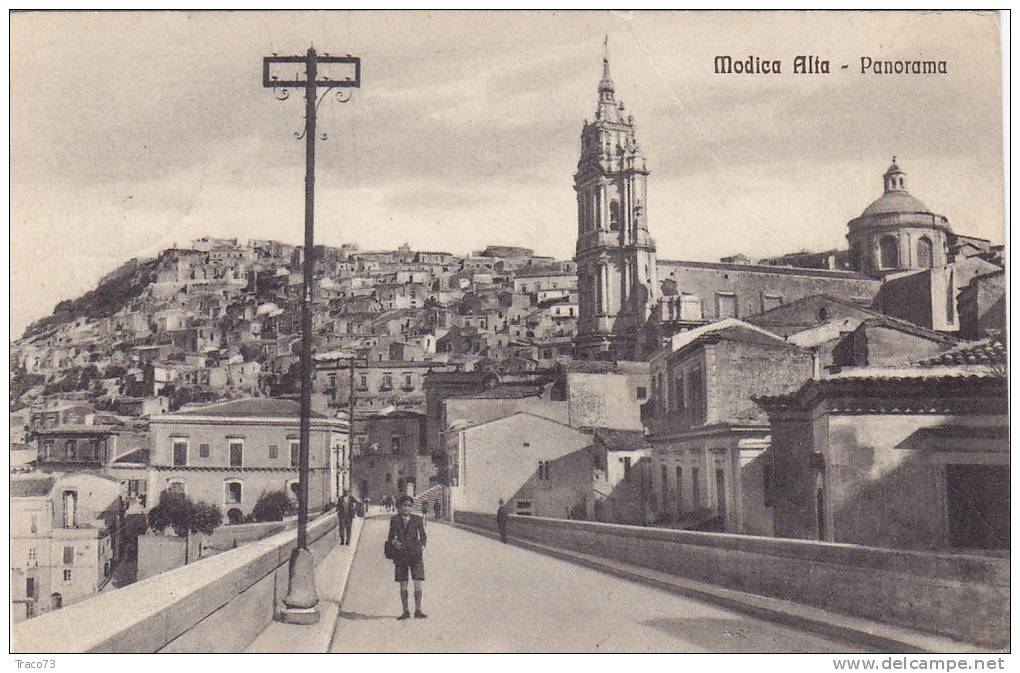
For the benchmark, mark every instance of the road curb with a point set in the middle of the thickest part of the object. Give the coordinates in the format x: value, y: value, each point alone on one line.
x: 871, y: 634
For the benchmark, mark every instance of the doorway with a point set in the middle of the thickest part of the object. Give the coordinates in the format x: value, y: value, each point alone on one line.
x: 977, y: 500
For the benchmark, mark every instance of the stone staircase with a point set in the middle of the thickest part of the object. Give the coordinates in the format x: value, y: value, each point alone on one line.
x: 431, y: 496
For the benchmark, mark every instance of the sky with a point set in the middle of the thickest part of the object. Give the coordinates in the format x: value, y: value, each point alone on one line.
x: 132, y: 132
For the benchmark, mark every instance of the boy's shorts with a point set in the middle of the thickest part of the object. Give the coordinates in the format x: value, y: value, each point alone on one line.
x: 415, y: 566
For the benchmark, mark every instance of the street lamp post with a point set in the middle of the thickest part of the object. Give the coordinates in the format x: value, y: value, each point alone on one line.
x: 302, y: 599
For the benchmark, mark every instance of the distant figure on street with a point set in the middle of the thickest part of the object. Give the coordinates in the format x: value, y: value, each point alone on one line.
x: 407, y: 535
x: 347, y: 513
x: 502, y: 519
x: 424, y: 509
x: 341, y: 513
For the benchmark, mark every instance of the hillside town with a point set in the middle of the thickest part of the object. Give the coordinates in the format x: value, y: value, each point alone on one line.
x: 851, y: 395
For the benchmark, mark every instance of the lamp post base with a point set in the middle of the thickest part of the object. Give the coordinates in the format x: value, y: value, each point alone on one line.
x: 302, y: 599
x: 306, y: 616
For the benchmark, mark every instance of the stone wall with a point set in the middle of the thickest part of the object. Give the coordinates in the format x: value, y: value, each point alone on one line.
x: 959, y: 596
x: 218, y: 604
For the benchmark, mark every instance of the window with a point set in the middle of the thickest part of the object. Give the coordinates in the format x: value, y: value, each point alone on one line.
x: 679, y: 489
x: 67, y: 577
x: 626, y: 468
x: 677, y: 393
x: 389, y: 477
x: 68, y: 555
x: 70, y: 509
x: 274, y: 452
x: 48, y: 448
x: 387, y: 382
x: 29, y: 587
x: 695, y: 396
x: 295, y: 453
x: 92, y: 450
x: 925, y: 253
x: 232, y: 493
x: 34, y: 523
x: 176, y: 486
x: 524, y: 508
x: 664, y: 471
x: 332, y: 381
x: 642, y: 392
x: 696, y: 487
x: 726, y: 305
x: 236, y: 453
x: 543, y: 470
x: 203, y: 450
x: 362, y: 382
x: 408, y: 384
x: 31, y: 554
x: 71, y: 449
x: 395, y: 444
x: 889, y: 255
x: 180, y: 452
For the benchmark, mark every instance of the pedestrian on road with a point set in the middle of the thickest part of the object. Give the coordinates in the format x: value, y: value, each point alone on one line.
x: 424, y: 509
x: 407, y: 535
x: 341, y: 514
x: 347, y: 514
x: 502, y: 519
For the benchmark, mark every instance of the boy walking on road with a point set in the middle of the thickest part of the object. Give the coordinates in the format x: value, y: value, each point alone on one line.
x: 407, y: 535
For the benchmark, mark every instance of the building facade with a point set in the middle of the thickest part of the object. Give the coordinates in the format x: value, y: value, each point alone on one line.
x: 230, y: 453
x: 65, y: 543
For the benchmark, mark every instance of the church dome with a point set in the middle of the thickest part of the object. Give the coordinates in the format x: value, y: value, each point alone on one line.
x: 895, y: 202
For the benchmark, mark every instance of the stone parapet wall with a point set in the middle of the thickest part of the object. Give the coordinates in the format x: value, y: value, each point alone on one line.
x: 959, y: 596
x: 218, y: 604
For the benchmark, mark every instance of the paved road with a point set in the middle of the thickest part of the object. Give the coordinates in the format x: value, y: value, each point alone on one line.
x: 483, y: 596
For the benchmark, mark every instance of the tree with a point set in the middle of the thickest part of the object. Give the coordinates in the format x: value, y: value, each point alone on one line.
x: 271, y: 506
x: 289, y: 383
x: 184, y: 516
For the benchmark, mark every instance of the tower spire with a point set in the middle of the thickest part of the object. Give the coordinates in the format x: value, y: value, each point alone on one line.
x: 606, y: 84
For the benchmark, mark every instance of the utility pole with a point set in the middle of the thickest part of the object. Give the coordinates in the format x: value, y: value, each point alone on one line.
x: 301, y: 600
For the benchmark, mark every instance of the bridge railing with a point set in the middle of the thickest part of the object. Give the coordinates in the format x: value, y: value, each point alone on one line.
x: 218, y: 604
x: 961, y: 596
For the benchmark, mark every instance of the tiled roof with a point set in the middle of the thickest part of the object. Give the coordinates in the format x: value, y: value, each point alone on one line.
x: 987, y: 352
x: 33, y: 487
x: 259, y: 407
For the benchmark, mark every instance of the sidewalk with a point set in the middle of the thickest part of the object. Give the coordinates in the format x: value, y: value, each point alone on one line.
x: 330, y: 583
x: 871, y: 634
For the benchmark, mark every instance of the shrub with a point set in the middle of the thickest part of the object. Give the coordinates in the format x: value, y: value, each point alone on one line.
x: 271, y: 506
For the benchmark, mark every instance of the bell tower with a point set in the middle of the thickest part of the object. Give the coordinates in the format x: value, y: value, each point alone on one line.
x: 617, y: 278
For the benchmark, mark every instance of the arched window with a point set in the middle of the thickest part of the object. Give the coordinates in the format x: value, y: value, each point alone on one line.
x: 925, y: 253
x: 614, y: 215
x: 889, y: 252
x: 232, y: 493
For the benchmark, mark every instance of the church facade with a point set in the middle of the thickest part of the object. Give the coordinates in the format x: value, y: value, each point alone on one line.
x: 903, y: 260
